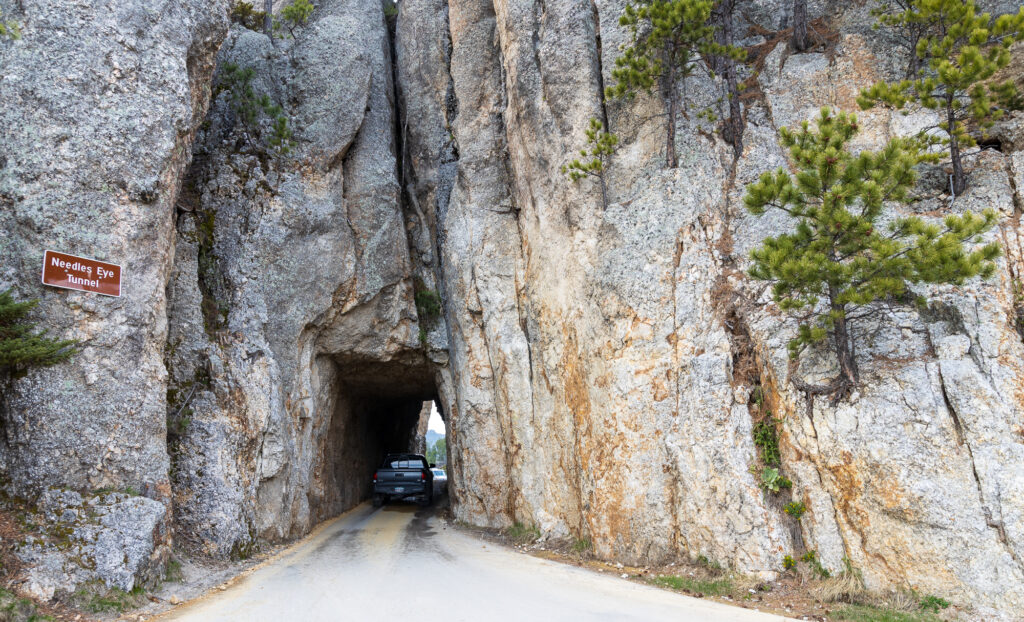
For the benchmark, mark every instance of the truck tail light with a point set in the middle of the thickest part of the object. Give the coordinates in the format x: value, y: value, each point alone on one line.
x: 375, y: 477
x: 423, y: 475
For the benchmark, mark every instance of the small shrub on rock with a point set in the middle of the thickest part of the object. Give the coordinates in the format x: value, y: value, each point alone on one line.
x: 600, y: 147
x: 244, y: 14
x: 773, y: 481
x: 796, y: 509
x: 261, y: 121
x: 294, y: 15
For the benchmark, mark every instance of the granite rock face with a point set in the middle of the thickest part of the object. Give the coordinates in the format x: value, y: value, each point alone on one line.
x: 600, y: 358
x: 113, y: 538
x: 293, y: 311
x: 100, y: 102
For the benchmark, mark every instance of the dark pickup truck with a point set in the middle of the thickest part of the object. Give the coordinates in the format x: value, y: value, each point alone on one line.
x: 402, y: 476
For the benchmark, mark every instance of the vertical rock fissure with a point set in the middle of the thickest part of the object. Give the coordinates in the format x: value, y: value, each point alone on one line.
x: 990, y: 520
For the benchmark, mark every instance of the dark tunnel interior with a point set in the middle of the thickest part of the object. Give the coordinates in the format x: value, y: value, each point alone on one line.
x: 378, y: 408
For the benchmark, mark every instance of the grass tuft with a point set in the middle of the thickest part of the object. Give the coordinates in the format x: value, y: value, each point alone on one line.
x: 96, y: 597
x: 713, y: 587
x: 580, y: 546
x: 523, y: 534
x: 869, y: 613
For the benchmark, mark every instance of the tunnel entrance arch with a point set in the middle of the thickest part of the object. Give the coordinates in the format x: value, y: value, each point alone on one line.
x: 374, y: 408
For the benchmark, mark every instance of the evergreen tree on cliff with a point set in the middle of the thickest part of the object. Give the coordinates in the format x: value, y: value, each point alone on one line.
x: 668, y: 39
x: 21, y: 346
x: 959, y: 51
x: 838, y: 262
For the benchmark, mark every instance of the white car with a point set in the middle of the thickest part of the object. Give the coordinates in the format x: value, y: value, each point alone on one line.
x: 440, y: 480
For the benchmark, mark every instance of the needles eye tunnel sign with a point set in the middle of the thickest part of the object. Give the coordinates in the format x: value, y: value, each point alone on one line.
x: 81, y: 273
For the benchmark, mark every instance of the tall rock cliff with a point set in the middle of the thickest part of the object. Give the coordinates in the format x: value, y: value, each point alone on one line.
x: 99, y: 104
x: 610, y: 357
x: 601, y: 361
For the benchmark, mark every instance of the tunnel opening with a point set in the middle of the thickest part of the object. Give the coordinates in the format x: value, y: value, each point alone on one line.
x: 374, y: 409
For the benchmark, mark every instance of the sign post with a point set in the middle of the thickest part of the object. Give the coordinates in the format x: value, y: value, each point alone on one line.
x: 81, y: 273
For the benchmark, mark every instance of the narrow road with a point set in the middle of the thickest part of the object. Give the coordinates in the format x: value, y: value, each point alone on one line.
x: 401, y: 563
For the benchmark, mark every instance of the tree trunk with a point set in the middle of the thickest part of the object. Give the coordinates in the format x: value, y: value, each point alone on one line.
x: 915, y: 63
x: 268, y: 18
x: 801, y: 42
x: 732, y: 128
x: 670, y: 99
x: 849, y: 376
x: 959, y: 177
x: 719, y: 15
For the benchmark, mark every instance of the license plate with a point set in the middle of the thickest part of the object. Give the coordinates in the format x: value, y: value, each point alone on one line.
x: 399, y: 489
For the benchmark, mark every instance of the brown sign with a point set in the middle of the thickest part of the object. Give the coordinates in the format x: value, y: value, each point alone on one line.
x: 87, y: 275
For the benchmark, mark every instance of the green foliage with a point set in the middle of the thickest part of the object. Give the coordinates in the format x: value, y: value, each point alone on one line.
x: 957, y: 49
x: 96, y: 597
x: 710, y: 564
x: 767, y: 440
x: 262, y: 122
x: 788, y: 562
x: 16, y: 609
x: 811, y: 557
x: 837, y: 252
x: 21, y: 346
x: 601, y: 147
x: 390, y: 10
x: 774, y: 481
x: 9, y: 29
x: 428, y: 304
x: 523, y: 534
x: 438, y: 452
x: 428, y: 308
x: 245, y: 14
x: 933, y: 603
x: 580, y: 545
x: 294, y: 15
x: 668, y: 38
x: 869, y: 613
x: 173, y: 572
x: 715, y: 587
x: 795, y: 509
x: 176, y: 426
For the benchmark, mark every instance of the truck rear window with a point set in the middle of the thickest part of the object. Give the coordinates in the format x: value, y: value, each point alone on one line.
x: 406, y: 464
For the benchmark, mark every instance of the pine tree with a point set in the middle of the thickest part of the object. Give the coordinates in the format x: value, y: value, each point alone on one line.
x: 838, y: 264
x: 601, y: 147
x: 668, y: 39
x: 959, y: 51
x: 21, y: 346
